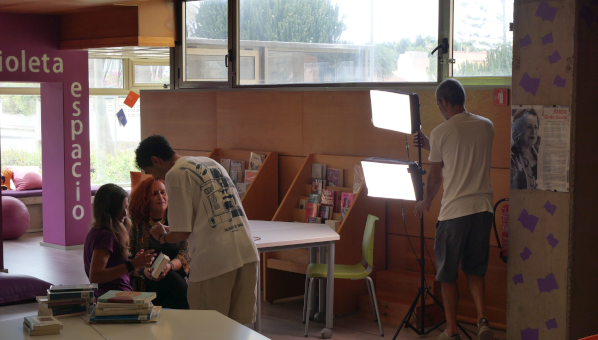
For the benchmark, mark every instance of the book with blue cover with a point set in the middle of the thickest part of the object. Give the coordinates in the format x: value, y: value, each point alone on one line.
x: 153, y: 317
x: 52, y: 296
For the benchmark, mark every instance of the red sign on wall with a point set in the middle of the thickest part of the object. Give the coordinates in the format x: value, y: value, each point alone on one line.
x: 501, y: 96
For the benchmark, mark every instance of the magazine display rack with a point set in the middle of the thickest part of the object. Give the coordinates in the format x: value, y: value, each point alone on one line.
x: 285, y: 270
x: 261, y: 199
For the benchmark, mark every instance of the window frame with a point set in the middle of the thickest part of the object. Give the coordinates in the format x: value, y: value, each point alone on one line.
x: 132, y: 84
x: 445, y: 17
x: 445, y: 63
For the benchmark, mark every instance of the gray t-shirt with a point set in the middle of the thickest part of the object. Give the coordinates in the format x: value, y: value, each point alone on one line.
x: 464, y: 145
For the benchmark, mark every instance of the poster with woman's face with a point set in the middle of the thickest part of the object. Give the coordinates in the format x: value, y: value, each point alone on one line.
x: 525, y: 146
x: 540, y: 147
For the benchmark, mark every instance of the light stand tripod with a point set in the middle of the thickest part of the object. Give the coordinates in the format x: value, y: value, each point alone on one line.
x: 423, y: 291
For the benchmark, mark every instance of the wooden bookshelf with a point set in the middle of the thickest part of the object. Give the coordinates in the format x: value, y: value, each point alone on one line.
x: 260, y: 202
x: 285, y: 270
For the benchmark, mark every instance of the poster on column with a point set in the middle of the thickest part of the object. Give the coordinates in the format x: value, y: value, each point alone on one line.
x: 540, y: 147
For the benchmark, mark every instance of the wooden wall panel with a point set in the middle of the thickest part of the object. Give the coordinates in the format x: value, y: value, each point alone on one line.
x: 339, y: 123
x: 288, y: 168
x: 260, y: 120
x: 100, y: 23
x: 186, y: 119
x: 157, y: 18
x: 195, y: 153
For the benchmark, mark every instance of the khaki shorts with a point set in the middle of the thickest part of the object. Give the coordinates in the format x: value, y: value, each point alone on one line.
x: 233, y: 294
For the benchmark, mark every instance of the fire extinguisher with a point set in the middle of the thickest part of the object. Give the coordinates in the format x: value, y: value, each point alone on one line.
x: 505, y: 229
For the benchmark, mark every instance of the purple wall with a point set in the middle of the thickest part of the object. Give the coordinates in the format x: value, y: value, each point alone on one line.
x: 29, y: 53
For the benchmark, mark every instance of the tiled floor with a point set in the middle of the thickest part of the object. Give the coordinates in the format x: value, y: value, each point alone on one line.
x: 281, y: 321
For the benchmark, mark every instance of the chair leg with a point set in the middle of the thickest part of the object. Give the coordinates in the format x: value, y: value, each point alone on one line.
x: 367, y: 283
x: 369, y: 279
x: 305, y: 297
x: 306, y: 315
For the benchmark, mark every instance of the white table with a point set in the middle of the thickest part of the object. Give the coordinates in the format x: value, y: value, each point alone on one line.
x: 181, y: 325
x: 172, y: 324
x: 73, y: 329
x: 275, y: 236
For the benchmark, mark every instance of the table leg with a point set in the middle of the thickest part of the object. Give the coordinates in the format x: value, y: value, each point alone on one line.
x: 313, y: 258
x: 327, y: 332
x: 257, y: 326
x: 322, y: 284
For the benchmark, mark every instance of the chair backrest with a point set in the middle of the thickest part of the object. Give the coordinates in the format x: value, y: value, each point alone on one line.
x: 367, y: 245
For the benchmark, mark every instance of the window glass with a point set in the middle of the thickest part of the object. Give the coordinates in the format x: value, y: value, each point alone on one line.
x: 206, y: 40
x: 20, y: 130
x: 483, y: 44
x: 112, y: 145
x: 106, y: 73
x: 336, y: 41
x: 152, y: 74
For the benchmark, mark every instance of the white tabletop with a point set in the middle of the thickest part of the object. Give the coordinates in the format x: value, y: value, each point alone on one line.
x: 73, y: 329
x: 181, y: 325
x: 268, y: 234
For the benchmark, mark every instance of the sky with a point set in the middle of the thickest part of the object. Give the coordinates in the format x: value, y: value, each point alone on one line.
x: 396, y: 19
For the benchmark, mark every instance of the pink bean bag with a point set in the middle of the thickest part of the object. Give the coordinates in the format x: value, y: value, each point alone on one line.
x: 15, y: 218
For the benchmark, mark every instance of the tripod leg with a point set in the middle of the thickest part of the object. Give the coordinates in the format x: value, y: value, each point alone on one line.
x: 464, y: 331
x: 408, y: 315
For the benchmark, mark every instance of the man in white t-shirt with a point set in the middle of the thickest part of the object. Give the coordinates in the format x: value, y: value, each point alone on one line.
x: 205, y: 209
x: 460, y: 154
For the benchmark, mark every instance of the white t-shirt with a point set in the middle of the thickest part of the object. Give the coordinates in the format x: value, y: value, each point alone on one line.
x: 204, y: 201
x: 464, y: 145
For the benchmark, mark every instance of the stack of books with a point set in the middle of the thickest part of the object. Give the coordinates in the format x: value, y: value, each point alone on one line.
x: 42, y: 325
x: 65, y: 301
x: 125, y: 307
x: 323, y: 200
x: 240, y: 176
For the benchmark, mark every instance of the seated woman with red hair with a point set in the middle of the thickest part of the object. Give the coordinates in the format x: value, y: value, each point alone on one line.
x: 148, y: 205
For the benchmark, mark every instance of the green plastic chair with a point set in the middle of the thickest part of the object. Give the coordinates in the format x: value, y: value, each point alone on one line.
x: 352, y: 272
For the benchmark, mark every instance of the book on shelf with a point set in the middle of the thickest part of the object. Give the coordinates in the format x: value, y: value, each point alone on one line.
x: 120, y: 296
x: 314, y: 220
x: 44, y: 300
x: 335, y: 177
x: 314, y: 198
x: 63, y: 316
x: 250, y: 175
x: 302, y: 203
x: 73, y: 288
x: 225, y: 164
x: 333, y: 224
x: 317, y: 185
x: 358, y: 178
x: 318, y: 171
x: 42, y: 323
x: 236, y: 176
x: 325, y: 212
x: 256, y: 161
x: 347, y: 199
x: 158, y: 265
x: 344, y: 212
x: 152, y: 317
x: 52, y: 296
x: 242, y: 189
x: 40, y: 332
x: 311, y: 210
x: 329, y: 198
x: 237, y: 165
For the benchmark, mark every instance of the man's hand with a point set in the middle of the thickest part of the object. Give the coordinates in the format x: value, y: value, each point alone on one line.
x: 158, y: 230
x: 421, y: 206
x: 425, y: 141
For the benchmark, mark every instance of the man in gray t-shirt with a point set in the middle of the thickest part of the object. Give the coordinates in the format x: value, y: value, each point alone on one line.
x: 460, y: 157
